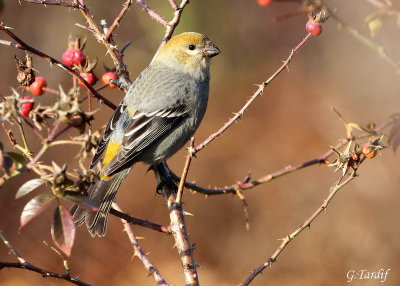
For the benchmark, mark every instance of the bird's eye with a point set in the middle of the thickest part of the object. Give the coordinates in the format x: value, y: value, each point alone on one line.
x: 191, y: 47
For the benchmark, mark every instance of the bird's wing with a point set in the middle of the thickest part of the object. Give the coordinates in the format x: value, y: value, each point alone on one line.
x: 144, y: 129
x: 107, y: 133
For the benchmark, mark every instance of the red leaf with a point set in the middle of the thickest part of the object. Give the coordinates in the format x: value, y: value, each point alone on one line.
x: 34, y: 207
x: 63, y: 230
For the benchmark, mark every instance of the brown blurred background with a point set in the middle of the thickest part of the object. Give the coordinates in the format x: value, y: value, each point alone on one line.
x: 289, y: 124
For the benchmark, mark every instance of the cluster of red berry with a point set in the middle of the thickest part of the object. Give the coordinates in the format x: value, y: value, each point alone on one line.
x: 73, y: 57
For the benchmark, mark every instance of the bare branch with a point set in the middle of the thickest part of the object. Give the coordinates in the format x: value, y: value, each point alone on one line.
x: 115, y: 54
x: 118, y: 19
x: 249, y: 184
x: 72, y: 4
x: 140, y: 253
x: 23, y: 264
x: 175, y: 20
x: 185, y: 171
x: 140, y: 222
x: 153, y: 14
x: 285, y: 241
x: 173, y: 4
x: 259, y: 91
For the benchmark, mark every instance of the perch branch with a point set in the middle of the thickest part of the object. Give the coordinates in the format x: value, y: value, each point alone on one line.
x: 140, y: 222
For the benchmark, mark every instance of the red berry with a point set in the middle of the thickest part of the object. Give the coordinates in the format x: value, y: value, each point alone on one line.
x: 89, y: 77
x: 264, y: 2
x: 73, y: 56
x: 109, y: 76
x: 313, y: 27
x: 27, y: 106
x: 36, y: 87
x: 368, y: 151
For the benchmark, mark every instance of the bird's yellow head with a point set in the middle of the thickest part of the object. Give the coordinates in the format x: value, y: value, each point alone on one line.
x: 188, y: 52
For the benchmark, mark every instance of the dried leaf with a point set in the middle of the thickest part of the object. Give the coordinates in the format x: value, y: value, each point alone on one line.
x: 26, y: 74
x: 28, y: 187
x: 63, y: 230
x: 34, y: 207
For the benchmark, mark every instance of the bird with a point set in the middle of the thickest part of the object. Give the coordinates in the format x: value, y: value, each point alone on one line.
x: 160, y: 112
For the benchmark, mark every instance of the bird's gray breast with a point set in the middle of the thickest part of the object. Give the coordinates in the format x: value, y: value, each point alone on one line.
x: 159, y: 89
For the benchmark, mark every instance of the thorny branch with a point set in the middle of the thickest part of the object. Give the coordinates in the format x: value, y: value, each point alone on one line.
x: 179, y: 231
x: 185, y: 171
x: 115, y: 54
x: 285, y: 241
x: 23, y: 264
x: 153, y: 14
x: 118, y: 19
x: 259, y: 91
x: 175, y: 20
x: 247, y: 183
x: 138, y: 251
x: 140, y: 222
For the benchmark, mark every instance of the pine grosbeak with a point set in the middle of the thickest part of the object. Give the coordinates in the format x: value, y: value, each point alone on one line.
x: 159, y: 114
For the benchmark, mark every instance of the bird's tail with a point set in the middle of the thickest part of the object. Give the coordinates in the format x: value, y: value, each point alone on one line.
x: 102, y: 193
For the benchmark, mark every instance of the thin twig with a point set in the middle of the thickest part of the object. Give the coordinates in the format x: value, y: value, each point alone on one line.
x: 112, y: 50
x: 175, y: 21
x: 153, y: 14
x: 94, y: 28
x: 173, y: 4
x: 259, y: 91
x: 45, y: 273
x: 21, y: 130
x: 70, y: 4
x: 118, y: 19
x: 12, y: 249
x: 185, y: 171
x: 307, y: 223
x: 37, y: 133
x: 141, y: 222
x: 249, y: 184
x: 23, y: 264
x: 46, y: 144
x: 140, y: 253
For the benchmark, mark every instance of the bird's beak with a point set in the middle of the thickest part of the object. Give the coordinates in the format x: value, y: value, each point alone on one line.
x: 211, y: 50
